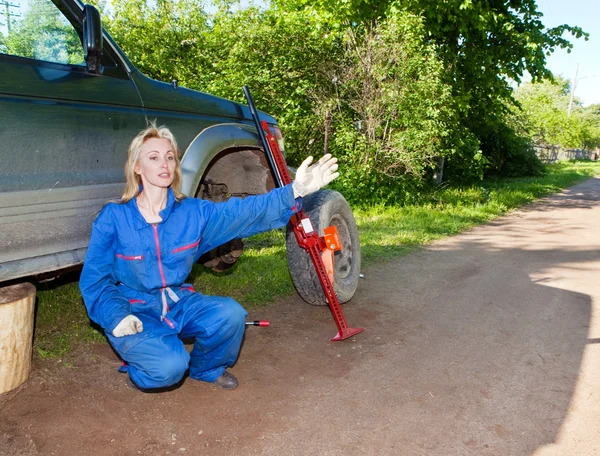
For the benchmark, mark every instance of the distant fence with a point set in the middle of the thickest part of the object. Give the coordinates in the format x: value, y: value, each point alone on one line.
x: 552, y: 154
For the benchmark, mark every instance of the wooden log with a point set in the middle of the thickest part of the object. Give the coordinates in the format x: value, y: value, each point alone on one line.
x: 16, y: 334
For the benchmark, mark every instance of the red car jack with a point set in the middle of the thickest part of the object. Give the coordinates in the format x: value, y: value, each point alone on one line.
x: 306, y: 236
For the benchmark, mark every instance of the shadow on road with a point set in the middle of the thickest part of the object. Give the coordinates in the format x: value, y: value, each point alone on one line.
x: 483, y: 347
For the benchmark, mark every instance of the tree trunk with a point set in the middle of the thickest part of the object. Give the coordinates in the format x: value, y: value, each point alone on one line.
x: 16, y: 334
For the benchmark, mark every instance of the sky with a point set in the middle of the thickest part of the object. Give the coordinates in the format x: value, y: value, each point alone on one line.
x: 585, y: 14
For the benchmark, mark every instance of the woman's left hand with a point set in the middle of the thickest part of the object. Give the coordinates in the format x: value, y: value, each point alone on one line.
x: 310, y: 178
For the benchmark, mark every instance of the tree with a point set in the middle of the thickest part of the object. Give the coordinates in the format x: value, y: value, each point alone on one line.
x: 3, y: 48
x: 278, y: 55
x: 165, y: 39
x: 389, y: 85
x: 483, y: 44
x: 389, y: 109
x: 44, y: 34
x: 544, y: 108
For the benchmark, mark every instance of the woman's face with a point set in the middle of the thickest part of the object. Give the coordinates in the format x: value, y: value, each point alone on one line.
x: 156, y: 163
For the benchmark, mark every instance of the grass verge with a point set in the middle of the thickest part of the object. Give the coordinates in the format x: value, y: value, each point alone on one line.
x: 261, y: 274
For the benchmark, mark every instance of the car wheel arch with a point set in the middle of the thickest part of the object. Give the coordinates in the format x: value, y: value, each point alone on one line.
x: 218, y: 153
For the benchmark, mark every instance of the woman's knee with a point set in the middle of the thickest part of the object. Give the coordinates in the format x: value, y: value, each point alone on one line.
x: 234, y: 315
x: 170, y: 369
x: 158, y: 362
x: 234, y: 312
x: 230, y: 319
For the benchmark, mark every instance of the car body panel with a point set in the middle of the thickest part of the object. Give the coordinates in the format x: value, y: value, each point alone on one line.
x: 64, y: 134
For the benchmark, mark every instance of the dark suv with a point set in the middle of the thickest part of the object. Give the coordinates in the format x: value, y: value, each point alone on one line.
x: 70, y: 103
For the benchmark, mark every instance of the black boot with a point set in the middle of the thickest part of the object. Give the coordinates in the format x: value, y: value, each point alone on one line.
x: 227, y: 381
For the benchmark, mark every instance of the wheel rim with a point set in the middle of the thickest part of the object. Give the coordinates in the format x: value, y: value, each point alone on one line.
x: 342, y: 258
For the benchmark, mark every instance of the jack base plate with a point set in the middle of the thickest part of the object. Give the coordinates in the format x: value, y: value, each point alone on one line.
x: 348, y: 332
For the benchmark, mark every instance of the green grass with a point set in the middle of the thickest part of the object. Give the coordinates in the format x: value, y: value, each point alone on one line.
x: 386, y: 232
x: 261, y: 275
x: 61, y: 319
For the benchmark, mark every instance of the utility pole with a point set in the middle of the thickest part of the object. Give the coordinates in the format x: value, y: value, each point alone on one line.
x: 573, y: 91
x: 7, y: 13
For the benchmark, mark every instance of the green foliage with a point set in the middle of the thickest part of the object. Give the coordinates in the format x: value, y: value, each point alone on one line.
x: 364, y: 186
x: 486, y: 42
x: 509, y: 153
x: 483, y: 45
x: 545, y: 116
x: 390, y: 87
x: 44, y: 34
x: 278, y: 55
x: 388, y: 110
x: 466, y: 162
x: 165, y: 39
x: 590, y: 125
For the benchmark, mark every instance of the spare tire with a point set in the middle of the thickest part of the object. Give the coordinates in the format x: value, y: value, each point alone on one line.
x: 326, y: 208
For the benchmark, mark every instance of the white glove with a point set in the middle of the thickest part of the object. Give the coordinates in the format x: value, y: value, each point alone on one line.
x: 309, y: 179
x: 128, y: 326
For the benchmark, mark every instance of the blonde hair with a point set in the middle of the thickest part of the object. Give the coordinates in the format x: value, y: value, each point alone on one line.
x: 134, y: 181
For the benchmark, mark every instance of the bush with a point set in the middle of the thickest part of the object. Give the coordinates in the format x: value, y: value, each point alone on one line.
x: 509, y: 154
x: 545, y: 116
x: 391, y: 114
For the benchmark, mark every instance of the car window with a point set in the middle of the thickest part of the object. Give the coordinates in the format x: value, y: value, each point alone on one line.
x: 36, y: 29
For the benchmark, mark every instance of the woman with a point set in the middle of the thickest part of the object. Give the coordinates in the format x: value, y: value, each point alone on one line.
x: 143, y: 248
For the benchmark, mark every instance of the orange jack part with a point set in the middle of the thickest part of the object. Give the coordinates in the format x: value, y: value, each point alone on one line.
x: 332, y: 238
x: 327, y: 258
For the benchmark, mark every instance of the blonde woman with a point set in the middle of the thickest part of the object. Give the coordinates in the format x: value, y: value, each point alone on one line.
x: 143, y: 247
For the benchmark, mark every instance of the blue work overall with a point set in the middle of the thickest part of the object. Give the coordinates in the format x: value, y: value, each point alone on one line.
x: 136, y: 268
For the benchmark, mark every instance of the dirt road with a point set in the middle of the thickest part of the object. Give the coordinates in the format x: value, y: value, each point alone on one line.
x: 487, y: 343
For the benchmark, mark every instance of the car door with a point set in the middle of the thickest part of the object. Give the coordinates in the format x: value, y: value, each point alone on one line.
x: 64, y: 134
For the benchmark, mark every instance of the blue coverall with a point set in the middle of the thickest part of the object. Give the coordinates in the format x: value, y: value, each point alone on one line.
x: 133, y: 267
